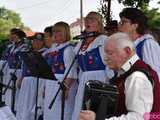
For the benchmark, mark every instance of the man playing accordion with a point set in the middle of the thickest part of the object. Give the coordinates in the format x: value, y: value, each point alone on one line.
x: 137, y: 82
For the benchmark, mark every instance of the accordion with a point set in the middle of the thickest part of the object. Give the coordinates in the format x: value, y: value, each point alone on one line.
x: 100, y: 98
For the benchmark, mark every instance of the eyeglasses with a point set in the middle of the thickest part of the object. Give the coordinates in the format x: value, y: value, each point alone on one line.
x: 122, y: 22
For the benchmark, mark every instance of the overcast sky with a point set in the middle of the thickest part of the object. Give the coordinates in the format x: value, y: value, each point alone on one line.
x: 37, y: 14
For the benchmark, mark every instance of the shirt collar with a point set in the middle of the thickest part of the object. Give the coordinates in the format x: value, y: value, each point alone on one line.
x: 128, y: 64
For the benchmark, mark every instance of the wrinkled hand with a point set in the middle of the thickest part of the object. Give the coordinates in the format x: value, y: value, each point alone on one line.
x: 87, y: 115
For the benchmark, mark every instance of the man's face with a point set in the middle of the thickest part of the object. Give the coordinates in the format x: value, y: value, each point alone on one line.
x: 114, y: 57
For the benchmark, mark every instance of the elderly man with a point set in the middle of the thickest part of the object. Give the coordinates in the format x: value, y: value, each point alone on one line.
x: 138, y: 92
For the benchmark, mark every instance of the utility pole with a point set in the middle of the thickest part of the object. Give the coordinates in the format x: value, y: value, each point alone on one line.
x: 81, y: 15
x: 109, y: 11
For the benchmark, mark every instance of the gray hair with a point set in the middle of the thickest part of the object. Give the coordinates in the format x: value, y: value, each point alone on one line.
x: 122, y: 40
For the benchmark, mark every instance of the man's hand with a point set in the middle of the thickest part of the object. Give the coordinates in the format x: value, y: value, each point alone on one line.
x: 87, y: 115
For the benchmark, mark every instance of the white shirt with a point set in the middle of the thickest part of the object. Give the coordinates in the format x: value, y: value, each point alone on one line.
x: 138, y: 93
x: 150, y: 52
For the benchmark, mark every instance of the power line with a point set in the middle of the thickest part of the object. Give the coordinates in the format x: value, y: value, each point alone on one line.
x: 58, y: 13
x: 34, y: 5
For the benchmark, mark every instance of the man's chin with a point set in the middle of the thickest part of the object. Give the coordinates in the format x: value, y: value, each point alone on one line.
x: 110, y: 66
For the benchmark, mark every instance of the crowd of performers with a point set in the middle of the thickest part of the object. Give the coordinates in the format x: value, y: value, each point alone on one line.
x: 89, y: 64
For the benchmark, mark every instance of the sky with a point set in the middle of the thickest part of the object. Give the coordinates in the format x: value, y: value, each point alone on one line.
x: 37, y: 14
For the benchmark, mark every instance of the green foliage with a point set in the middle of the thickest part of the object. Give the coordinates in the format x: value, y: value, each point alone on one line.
x: 135, y: 3
x: 8, y: 20
x: 152, y: 14
x: 103, y: 10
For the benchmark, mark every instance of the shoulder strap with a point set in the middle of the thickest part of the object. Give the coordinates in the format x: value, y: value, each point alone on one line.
x: 65, y: 47
x: 139, y: 49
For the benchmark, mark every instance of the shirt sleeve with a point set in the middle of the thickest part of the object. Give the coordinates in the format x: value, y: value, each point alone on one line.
x: 139, y: 97
x: 68, y: 58
x: 151, y: 54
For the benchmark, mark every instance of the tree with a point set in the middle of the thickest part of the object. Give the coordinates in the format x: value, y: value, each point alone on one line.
x: 154, y: 17
x: 152, y: 14
x: 8, y: 20
x: 105, y: 11
x: 135, y: 3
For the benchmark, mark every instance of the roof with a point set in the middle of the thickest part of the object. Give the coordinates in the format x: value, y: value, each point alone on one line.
x: 30, y: 33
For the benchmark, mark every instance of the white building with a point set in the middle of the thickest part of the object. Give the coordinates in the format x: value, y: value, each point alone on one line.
x: 76, y: 27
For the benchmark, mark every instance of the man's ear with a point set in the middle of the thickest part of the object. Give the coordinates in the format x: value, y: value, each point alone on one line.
x: 128, y: 50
